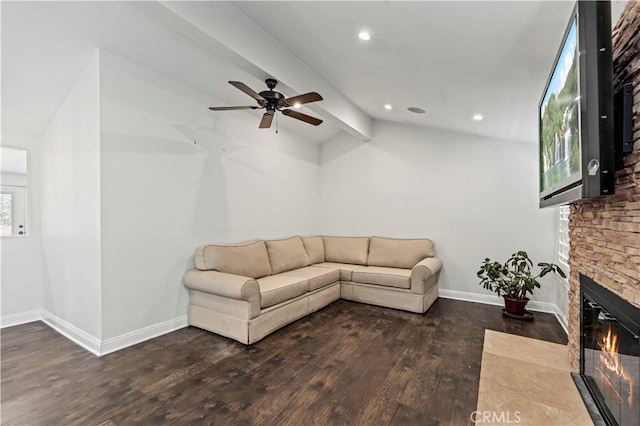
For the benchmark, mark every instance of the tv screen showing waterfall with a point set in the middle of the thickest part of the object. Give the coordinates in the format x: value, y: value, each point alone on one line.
x: 560, y: 156
x: 576, y: 120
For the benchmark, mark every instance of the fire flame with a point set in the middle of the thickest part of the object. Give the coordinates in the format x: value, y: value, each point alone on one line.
x: 609, y: 345
x: 610, y: 360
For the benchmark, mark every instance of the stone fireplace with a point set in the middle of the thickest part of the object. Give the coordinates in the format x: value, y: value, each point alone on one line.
x: 605, y: 232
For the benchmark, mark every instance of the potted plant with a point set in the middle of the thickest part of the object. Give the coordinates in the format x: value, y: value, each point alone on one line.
x: 514, y: 279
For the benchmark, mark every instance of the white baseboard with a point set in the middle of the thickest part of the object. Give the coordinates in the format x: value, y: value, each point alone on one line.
x: 562, y: 319
x: 88, y: 341
x: 71, y: 332
x: 487, y: 299
x: 491, y: 299
x: 21, y: 318
x: 138, y: 336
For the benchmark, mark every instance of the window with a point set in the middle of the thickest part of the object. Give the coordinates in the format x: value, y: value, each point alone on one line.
x: 12, y: 214
x: 13, y: 200
x: 6, y: 213
x: 563, y: 236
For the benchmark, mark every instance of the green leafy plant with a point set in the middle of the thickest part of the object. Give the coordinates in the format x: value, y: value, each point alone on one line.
x: 514, y: 278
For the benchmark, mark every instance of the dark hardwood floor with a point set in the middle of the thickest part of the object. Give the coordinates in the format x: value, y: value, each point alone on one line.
x: 348, y: 364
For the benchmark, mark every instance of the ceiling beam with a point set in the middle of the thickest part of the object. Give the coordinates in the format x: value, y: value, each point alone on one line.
x: 223, y: 28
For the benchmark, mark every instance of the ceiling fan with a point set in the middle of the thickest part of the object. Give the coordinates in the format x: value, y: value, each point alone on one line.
x: 274, y: 101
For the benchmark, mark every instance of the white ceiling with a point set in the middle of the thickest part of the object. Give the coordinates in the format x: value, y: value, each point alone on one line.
x: 451, y: 58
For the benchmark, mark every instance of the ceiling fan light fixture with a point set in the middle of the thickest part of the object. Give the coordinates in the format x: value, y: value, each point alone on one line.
x: 296, y: 105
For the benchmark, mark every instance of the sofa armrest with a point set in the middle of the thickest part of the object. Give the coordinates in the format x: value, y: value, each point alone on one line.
x: 223, y: 284
x: 423, y: 271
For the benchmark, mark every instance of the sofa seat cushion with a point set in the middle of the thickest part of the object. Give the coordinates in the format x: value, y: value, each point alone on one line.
x: 286, y: 255
x: 317, y: 276
x: 278, y: 288
x: 398, y: 253
x: 387, y: 277
x: 346, y: 269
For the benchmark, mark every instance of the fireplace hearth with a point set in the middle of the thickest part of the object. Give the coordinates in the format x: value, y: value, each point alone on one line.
x: 609, y: 355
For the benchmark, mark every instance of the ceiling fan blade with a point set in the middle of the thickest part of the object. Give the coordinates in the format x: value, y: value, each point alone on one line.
x: 302, y: 99
x: 231, y: 108
x: 300, y: 116
x: 267, y: 118
x: 246, y: 89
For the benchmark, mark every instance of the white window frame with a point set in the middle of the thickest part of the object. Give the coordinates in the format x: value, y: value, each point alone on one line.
x: 563, y: 243
x: 14, y: 165
x: 18, y: 208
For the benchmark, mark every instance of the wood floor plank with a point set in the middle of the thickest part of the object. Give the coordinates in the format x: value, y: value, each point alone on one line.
x: 348, y: 363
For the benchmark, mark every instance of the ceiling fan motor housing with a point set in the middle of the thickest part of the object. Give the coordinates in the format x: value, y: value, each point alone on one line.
x: 272, y: 97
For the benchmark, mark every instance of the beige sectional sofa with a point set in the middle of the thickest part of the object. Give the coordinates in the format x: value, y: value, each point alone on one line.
x: 246, y: 291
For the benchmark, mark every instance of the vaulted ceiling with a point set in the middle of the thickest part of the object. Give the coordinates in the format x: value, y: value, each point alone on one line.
x: 452, y: 59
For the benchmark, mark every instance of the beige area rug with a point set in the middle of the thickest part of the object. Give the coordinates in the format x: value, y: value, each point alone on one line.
x: 527, y: 382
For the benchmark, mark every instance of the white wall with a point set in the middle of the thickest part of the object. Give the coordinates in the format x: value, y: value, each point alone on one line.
x: 163, y: 195
x: 21, y: 256
x: 473, y: 196
x: 69, y: 181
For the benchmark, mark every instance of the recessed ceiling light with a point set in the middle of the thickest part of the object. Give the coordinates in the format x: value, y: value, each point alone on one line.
x: 478, y: 117
x: 416, y: 110
x: 296, y: 105
x: 364, y: 35
x: 388, y: 106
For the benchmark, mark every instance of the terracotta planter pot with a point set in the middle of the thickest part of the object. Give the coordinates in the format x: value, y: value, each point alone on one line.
x: 515, y: 306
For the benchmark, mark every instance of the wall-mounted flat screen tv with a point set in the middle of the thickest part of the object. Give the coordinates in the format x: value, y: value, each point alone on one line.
x: 576, y: 147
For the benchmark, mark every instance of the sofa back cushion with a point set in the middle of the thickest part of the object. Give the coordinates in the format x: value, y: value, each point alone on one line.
x: 285, y: 255
x: 398, y: 253
x: 352, y: 250
x: 248, y: 259
x: 315, y: 249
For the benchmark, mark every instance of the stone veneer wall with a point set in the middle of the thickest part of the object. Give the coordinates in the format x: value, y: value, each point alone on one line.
x: 605, y: 232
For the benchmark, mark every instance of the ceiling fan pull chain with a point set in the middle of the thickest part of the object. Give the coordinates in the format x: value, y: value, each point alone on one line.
x: 276, y: 124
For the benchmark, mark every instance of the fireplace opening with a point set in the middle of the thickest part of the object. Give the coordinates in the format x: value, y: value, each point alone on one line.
x: 610, y: 353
